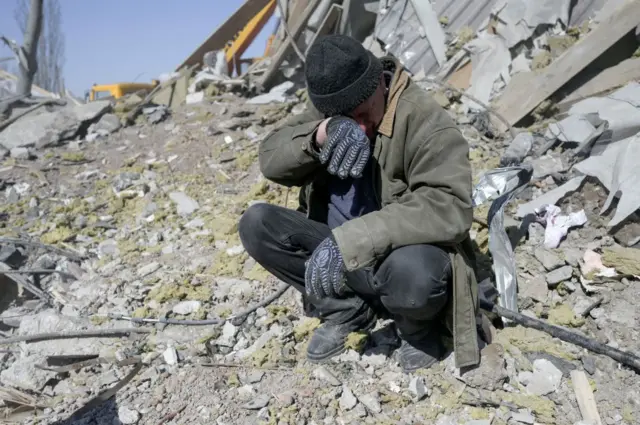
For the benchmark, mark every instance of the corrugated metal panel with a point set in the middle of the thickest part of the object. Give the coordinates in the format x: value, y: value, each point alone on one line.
x: 400, y: 30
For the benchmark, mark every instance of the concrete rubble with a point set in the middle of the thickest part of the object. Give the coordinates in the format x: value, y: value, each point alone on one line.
x: 135, y: 205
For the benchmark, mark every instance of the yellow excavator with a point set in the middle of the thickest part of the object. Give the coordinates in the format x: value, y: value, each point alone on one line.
x: 117, y: 90
x: 234, y: 49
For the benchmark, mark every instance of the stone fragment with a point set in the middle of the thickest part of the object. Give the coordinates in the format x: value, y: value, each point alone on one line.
x: 285, y: 399
x: 252, y: 377
x: 128, y: 416
x: 109, y: 123
x: 148, y: 269
x: 170, y: 356
x: 559, y: 275
x: 372, y: 402
x: 228, y: 337
x: 417, y: 388
x: 492, y: 371
x: 523, y: 417
x: 324, y: 375
x: 479, y: 422
x: 548, y: 259
x: 108, y: 247
x: 257, y: 403
x: 12, y: 195
x: 125, y: 180
x: 359, y: 411
x: 544, y: 379
x: 589, y: 364
x: 185, y: 205
x: 23, y: 374
x: 186, y: 308
x: 20, y: 153
x: 535, y: 288
x: 347, y: 400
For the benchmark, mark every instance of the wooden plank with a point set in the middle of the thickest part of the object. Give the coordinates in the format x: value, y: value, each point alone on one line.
x: 283, y: 50
x: 609, y: 79
x: 584, y: 395
x: 226, y: 31
x: 518, y: 102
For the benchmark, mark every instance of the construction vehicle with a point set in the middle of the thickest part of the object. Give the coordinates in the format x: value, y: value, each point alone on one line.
x: 236, y: 47
x: 117, y: 90
x: 235, y: 35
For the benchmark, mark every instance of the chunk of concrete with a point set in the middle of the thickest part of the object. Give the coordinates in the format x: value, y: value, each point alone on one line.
x: 23, y: 374
x: 544, y: 379
x: 347, y: 400
x: 109, y: 123
x: 20, y: 153
x: 185, y: 205
x: 559, y: 275
x: 548, y: 259
x: 51, y: 128
x: 491, y: 373
x: 185, y: 308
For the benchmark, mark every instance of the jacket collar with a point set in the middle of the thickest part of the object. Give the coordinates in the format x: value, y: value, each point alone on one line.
x: 399, y: 82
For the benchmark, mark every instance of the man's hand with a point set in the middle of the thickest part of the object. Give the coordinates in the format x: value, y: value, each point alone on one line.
x: 325, y: 271
x: 344, y: 146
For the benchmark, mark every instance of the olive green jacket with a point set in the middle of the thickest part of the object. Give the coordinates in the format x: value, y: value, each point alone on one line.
x: 423, y: 183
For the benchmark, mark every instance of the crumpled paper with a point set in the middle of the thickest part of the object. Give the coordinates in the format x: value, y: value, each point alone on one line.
x: 558, y: 225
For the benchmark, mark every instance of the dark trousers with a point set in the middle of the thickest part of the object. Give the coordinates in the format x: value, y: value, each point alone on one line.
x: 412, y: 283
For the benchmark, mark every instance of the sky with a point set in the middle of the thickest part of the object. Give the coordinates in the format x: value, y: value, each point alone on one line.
x: 109, y: 41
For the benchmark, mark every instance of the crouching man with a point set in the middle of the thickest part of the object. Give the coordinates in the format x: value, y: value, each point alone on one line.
x: 385, y: 209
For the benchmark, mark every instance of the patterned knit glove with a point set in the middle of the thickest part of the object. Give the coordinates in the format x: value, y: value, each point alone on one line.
x: 325, y: 272
x: 347, y: 148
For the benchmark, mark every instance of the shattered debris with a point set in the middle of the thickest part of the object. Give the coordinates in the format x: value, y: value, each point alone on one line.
x: 130, y: 207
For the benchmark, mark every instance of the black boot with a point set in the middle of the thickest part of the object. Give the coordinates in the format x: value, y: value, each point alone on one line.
x: 420, y: 351
x: 329, y: 339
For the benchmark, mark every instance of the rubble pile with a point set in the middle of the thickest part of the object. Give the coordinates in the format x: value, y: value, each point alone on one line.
x: 124, y: 214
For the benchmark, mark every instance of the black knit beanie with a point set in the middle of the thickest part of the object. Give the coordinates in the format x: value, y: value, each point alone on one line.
x: 340, y: 74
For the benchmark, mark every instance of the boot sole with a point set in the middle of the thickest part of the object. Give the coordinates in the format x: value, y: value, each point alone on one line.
x: 318, y: 358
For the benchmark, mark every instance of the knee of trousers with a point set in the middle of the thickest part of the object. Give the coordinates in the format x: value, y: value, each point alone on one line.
x: 416, y: 281
x: 252, y: 227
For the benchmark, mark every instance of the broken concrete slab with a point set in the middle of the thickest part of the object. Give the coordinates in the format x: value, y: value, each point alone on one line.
x: 277, y: 94
x: 24, y: 374
x: 548, y: 259
x: 50, y: 128
x: 108, y: 122
x: 559, y: 275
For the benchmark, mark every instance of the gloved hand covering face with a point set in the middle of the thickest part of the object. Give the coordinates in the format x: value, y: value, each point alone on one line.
x: 325, y: 271
x: 347, y: 148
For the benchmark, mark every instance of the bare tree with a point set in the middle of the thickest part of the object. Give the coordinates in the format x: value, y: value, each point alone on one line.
x: 27, y: 53
x: 51, y: 48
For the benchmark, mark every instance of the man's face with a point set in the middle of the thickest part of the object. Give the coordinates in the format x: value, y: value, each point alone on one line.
x: 370, y: 112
